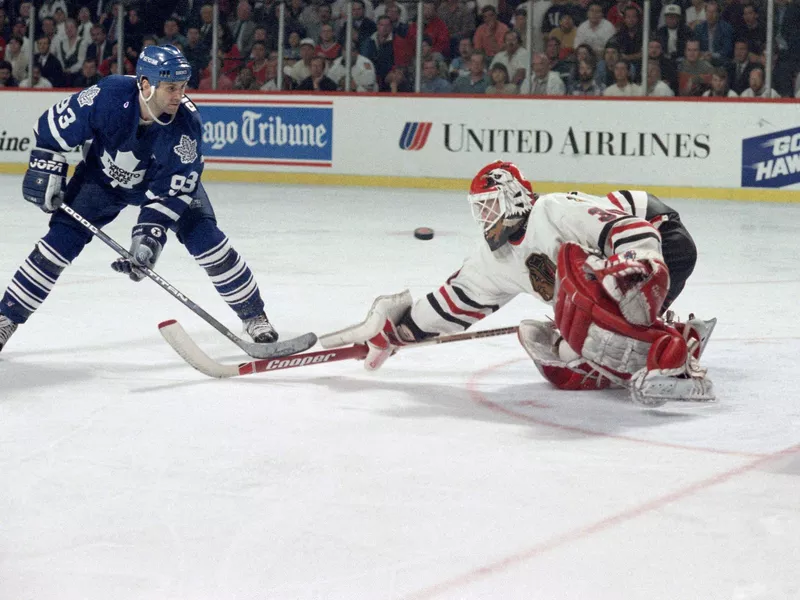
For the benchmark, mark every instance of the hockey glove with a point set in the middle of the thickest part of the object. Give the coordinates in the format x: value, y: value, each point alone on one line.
x: 637, y: 283
x: 384, y: 344
x: 147, y: 241
x: 45, y: 180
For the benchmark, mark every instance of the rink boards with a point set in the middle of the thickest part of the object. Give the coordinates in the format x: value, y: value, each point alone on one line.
x: 732, y: 150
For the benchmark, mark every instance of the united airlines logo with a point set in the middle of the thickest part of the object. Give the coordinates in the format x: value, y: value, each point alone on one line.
x: 415, y: 135
x: 771, y: 160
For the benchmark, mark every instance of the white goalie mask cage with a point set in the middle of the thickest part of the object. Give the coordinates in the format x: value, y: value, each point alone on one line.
x: 498, y: 196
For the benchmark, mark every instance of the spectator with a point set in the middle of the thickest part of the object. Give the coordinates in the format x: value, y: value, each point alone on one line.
x: 60, y: 21
x: 674, y: 34
x: 362, y: 26
x: 6, y: 77
x: 232, y: 59
x: 754, y: 32
x: 51, y: 70
x: 379, y: 49
x: 399, y: 28
x: 100, y: 48
x: 434, y: 28
x: 397, y: 81
x: 544, y: 81
x: 49, y: 8
x: 243, y: 27
x: 85, y: 25
x: 110, y: 21
x: 501, y: 85
x: 459, y: 21
x: 475, y: 81
x: 692, y: 70
x: 669, y: 72
x: 258, y: 64
x: 629, y: 37
x: 328, y: 47
x: 622, y: 85
x: 715, y: 36
x: 432, y: 80
x: 557, y: 61
x: 616, y: 14
x: 362, y: 72
x: 490, y: 35
x: 48, y: 27
x: 519, y: 23
x: 585, y: 84
x: 551, y: 20
x: 172, y: 34
x: 71, y: 52
x: 17, y: 58
x: 5, y: 24
x: 245, y: 80
x: 321, y: 15
x: 719, y: 85
x: 224, y: 82
x: 514, y: 58
x: 695, y: 14
x: 596, y: 30
x: 460, y: 65
x: 428, y: 53
x: 272, y: 75
x: 739, y: 69
x: 292, y: 51
x: 655, y: 86
x: 301, y: 70
x: 565, y: 33
x: 207, y: 24
x: 134, y: 34
x: 88, y: 75
x: 36, y: 81
x: 604, y: 73
x: 339, y: 8
x: 382, y: 10
x: 757, y: 88
x: 196, y: 53
x: 109, y: 65
x: 317, y: 81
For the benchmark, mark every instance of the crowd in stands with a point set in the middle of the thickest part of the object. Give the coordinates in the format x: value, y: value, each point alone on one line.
x: 577, y: 47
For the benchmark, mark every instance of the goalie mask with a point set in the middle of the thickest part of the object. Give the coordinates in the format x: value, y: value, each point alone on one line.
x: 501, y: 200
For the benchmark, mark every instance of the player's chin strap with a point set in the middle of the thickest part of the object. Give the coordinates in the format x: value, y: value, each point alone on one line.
x: 147, y: 104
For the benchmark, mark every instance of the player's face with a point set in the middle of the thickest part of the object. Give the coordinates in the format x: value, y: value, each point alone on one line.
x: 167, y: 98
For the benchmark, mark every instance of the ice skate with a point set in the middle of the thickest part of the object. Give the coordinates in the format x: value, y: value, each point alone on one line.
x: 260, y: 329
x: 7, y: 329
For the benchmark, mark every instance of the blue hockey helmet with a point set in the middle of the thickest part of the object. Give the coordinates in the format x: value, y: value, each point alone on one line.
x: 162, y: 63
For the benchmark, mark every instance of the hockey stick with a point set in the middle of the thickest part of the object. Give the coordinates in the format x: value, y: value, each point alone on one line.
x: 256, y: 350
x: 180, y: 341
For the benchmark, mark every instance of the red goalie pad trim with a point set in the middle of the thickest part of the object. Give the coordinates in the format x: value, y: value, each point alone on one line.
x: 581, y: 302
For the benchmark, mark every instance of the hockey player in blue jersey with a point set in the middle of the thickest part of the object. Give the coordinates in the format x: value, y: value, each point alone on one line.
x: 141, y: 140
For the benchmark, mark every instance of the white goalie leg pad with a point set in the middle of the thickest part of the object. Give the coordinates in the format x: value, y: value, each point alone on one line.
x: 390, y: 307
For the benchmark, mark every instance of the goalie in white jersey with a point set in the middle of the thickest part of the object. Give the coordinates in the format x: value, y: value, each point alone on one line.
x: 611, y: 266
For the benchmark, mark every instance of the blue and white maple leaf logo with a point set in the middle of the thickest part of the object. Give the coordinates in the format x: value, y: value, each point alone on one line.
x: 186, y: 150
x: 122, y: 169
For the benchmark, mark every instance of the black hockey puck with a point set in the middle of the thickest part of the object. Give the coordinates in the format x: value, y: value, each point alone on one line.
x: 423, y: 233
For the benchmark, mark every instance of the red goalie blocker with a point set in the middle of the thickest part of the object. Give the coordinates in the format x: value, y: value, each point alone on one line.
x: 582, y: 304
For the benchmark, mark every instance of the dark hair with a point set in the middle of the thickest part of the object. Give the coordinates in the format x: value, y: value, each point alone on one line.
x: 498, y: 66
x: 4, y: 64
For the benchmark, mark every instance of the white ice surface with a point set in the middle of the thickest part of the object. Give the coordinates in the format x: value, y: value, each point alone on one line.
x: 455, y: 472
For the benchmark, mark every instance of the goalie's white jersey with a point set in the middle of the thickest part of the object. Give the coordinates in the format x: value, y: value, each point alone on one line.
x: 487, y: 280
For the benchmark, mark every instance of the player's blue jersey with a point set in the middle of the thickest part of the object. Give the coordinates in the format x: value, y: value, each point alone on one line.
x: 156, y: 167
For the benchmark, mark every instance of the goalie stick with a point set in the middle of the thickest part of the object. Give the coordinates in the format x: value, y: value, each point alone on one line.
x: 187, y: 349
x: 256, y: 350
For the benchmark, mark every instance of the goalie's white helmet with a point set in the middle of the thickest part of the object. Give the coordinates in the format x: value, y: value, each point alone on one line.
x: 501, y: 199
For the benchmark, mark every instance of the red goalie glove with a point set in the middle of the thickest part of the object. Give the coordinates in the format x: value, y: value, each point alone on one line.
x: 638, y: 283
